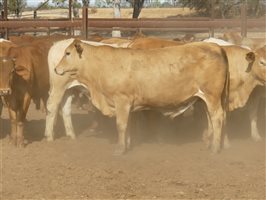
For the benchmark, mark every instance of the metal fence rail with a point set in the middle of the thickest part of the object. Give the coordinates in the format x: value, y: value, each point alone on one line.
x: 85, y: 24
x: 159, y: 23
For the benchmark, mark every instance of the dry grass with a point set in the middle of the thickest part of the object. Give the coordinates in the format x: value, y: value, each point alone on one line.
x: 108, y: 13
x: 145, y: 13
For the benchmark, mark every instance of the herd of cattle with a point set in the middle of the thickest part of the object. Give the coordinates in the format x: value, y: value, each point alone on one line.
x: 127, y: 75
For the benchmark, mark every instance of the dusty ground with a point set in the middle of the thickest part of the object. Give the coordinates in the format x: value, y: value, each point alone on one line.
x: 174, y: 164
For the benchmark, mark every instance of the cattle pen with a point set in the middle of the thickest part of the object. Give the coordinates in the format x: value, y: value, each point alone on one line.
x: 140, y: 116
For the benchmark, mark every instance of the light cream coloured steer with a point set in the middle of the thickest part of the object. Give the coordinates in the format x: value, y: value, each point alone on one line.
x: 59, y: 95
x: 170, y: 80
x: 247, y: 79
x: 247, y: 71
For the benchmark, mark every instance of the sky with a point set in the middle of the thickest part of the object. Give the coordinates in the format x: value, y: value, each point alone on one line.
x: 36, y: 2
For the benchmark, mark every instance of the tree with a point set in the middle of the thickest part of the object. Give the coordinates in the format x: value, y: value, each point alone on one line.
x: 86, y: 2
x: 1, y: 5
x: 16, y: 6
x: 137, y: 6
x: 117, y: 14
x: 224, y: 8
x: 60, y: 3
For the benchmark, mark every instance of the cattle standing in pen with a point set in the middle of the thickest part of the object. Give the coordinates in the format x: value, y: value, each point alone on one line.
x: 169, y: 79
x: 247, y: 79
x: 58, y: 85
x: 28, y: 79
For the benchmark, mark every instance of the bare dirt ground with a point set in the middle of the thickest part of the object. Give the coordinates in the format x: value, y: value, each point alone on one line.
x: 172, y: 164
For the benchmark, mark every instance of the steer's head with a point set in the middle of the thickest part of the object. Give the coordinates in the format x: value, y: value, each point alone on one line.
x: 69, y: 62
x: 257, y: 64
x: 15, y: 66
x: 7, y: 67
x: 23, y: 63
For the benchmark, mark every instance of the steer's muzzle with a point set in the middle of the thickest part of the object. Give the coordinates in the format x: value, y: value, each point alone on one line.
x: 59, y: 71
x: 4, y: 92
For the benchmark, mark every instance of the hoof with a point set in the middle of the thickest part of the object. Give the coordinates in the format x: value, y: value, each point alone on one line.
x: 216, y: 149
x: 256, y: 138
x: 119, y: 151
x: 92, y: 130
x: 73, y: 137
x: 49, y: 138
x: 12, y: 141
x: 226, y: 145
x: 21, y: 145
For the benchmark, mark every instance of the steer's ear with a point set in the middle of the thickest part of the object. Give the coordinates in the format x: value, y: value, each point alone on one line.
x: 250, y: 57
x: 79, y: 49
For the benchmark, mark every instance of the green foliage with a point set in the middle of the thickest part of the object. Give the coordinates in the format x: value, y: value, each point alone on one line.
x: 224, y: 8
x: 60, y: 3
x: 85, y: 2
x: 156, y: 3
x: 44, y: 6
x: 16, y: 6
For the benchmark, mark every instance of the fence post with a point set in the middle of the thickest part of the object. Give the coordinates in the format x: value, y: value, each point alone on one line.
x: 70, y: 15
x: 6, y: 18
x: 212, y: 17
x: 34, y: 14
x: 85, y: 22
x: 35, y: 17
x: 244, y: 19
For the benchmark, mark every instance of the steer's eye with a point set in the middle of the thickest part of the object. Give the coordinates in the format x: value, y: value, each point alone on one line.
x: 262, y: 62
x: 67, y: 53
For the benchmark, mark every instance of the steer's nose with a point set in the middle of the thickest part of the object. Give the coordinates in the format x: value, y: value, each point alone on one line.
x: 59, y: 71
x: 4, y: 92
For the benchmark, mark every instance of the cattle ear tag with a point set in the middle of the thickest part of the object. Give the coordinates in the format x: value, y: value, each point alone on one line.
x: 79, y: 49
x: 250, y: 57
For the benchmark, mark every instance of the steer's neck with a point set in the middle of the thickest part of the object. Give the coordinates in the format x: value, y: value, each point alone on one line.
x: 239, y: 97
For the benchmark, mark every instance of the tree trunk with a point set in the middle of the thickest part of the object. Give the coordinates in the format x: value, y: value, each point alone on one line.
x: 117, y: 14
x: 138, y: 4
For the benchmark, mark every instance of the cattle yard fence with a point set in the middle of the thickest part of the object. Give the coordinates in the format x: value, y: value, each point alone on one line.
x: 86, y: 24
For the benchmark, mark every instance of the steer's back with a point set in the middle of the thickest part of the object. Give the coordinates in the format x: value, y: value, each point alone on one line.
x: 160, y: 75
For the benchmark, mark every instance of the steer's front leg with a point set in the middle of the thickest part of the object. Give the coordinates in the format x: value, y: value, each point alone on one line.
x: 122, y: 114
x: 13, y: 125
x: 21, y: 116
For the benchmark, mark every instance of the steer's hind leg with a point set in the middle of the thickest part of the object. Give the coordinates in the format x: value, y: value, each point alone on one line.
x: 208, y: 132
x: 253, y: 116
x: 53, y: 104
x: 122, y: 115
x: 217, y: 119
x: 66, y: 114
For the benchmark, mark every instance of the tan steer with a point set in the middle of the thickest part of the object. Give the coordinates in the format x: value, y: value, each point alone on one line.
x: 169, y: 80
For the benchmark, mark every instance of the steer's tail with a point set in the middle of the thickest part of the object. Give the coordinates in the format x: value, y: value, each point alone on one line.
x: 225, y: 102
x: 225, y: 94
